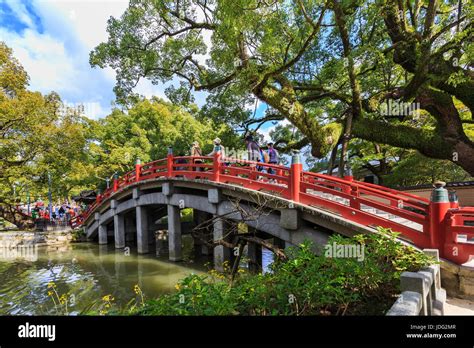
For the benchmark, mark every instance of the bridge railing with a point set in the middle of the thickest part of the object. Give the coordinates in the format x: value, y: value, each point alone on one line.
x: 417, y: 219
x: 367, y: 205
x: 197, y: 167
x: 459, y: 241
x: 153, y: 169
x: 76, y: 221
x: 270, y: 178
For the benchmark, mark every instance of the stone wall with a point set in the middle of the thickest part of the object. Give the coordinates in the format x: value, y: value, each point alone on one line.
x: 465, y: 193
x: 458, y: 280
x: 22, y: 238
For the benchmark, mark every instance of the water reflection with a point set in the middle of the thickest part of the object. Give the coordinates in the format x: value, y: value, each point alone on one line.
x: 267, y: 260
x: 87, y: 271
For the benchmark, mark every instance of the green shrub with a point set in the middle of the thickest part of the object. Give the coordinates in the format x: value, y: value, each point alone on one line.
x: 305, y: 284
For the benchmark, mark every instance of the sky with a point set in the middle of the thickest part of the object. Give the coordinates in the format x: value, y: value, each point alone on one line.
x: 53, y: 38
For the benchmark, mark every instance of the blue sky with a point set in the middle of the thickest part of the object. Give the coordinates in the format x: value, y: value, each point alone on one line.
x: 52, y: 40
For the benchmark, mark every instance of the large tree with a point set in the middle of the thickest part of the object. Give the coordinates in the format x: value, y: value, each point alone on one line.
x: 37, y: 136
x: 325, y: 66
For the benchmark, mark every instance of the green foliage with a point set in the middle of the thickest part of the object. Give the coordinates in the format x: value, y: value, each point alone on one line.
x: 305, y: 284
x: 146, y: 131
x: 415, y: 169
x: 277, y: 52
x: 38, y: 135
x: 78, y: 235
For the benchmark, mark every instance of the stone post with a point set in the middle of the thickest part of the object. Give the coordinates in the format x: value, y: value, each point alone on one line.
x: 221, y: 253
x: 102, y: 234
x: 254, y: 254
x: 142, y: 230
x: 119, y: 226
x: 174, y: 233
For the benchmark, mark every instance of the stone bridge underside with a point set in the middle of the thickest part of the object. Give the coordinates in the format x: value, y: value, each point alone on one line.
x: 131, y: 214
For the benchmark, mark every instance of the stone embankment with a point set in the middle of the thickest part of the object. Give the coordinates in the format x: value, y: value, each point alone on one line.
x: 13, y: 239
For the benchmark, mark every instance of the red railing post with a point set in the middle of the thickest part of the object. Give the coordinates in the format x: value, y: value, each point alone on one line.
x: 348, y: 176
x: 279, y: 172
x: 439, y: 206
x: 137, y: 169
x: 216, y: 167
x: 354, y: 202
x: 169, y: 163
x: 295, y: 177
x: 115, y: 182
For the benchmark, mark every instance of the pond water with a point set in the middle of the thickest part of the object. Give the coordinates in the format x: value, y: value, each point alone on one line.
x: 86, y: 272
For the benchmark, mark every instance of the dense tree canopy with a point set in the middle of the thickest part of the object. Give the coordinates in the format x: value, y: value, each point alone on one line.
x: 145, y: 131
x: 328, y: 67
x: 38, y: 136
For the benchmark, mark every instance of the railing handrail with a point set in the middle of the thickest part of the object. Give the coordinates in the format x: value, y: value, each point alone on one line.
x: 371, y: 188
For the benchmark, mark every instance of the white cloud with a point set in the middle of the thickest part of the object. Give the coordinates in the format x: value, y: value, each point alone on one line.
x: 55, y: 47
x: 268, y: 127
x: 87, y: 18
x: 91, y: 109
x: 45, y: 59
x: 148, y: 90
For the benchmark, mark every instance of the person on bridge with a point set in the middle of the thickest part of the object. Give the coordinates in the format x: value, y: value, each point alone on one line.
x: 218, y: 148
x: 273, y: 157
x: 253, y: 149
x: 254, y: 152
x: 196, y: 152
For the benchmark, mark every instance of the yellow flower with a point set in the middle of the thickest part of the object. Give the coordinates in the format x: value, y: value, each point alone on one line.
x: 137, y: 289
x: 50, y: 293
x: 51, y: 285
x: 177, y: 287
x: 107, y: 298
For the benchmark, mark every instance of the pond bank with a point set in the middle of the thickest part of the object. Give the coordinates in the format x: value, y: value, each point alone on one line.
x: 13, y: 239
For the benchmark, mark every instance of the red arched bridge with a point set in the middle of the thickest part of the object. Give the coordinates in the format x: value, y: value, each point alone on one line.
x: 305, y: 204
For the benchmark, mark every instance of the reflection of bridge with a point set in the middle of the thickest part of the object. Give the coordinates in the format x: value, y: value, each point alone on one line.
x: 301, y: 205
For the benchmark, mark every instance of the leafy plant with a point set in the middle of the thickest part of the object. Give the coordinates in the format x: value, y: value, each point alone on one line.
x: 305, y: 284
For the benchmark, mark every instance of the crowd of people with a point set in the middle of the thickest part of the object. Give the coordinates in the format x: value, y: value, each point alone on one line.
x: 255, y: 153
x: 59, y: 212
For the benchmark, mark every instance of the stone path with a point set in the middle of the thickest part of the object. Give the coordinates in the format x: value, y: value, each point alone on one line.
x: 457, y: 306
